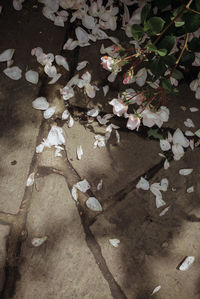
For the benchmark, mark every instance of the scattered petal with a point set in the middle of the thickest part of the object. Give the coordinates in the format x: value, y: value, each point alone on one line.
x: 189, y: 123
x: 40, y: 103
x: 74, y: 193
x: 117, y: 136
x: 105, y: 89
x: 190, y: 189
x: 65, y: 115
x: 100, y: 185
x: 32, y: 76
x: 165, y: 145
x: 188, y: 261
x: 93, y: 204
x: 79, y: 152
x: 156, y: 290
x: 82, y: 186
x: 55, y: 137
x: 71, y: 122
x: 55, y: 78
x: 197, y: 133
x: 186, y: 171
x: 114, y: 242
x: 14, y: 72
x: 6, y: 55
x: 81, y: 65
x: 30, y: 179
x: 60, y: 60
x: 189, y: 133
x: 49, y: 112
x: 164, y: 211
x: 93, y: 112
x: 36, y: 242
x: 194, y: 109
x: 166, y: 164
x: 143, y: 184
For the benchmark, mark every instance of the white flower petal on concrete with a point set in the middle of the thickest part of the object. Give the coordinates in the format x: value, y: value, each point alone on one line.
x: 186, y: 264
x: 79, y: 152
x: 112, y: 77
x: 185, y: 171
x: 81, y: 35
x: 55, y: 78
x: 117, y: 136
x: 155, y: 189
x: 178, y: 151
x: 190, y: 189
x: 166, y: 164
x: 36, y: 242
x: 93, y: 112
x: 71, y: 122
x: 164, y: 211
x: 49, y: 112
x: 197, y: 133
x: 40, y: 103
x: 39, y: 148
x: 114, y: 242
x: 82, y: 186
x: 192, y: 144
x: 65, y: 114
x: 164, y: 184
x: 74, y: 193
x: 194, y: 109
x: 14, y: 72
x: 32, y: 76
x: 55, y: 137
x: 105, y: 90
x: 189, y: 123
x: 6, y: 55
x: 60, y: 60
x: 81, y: 65
x: 93, y: 204
x: 189, y: 133
x: 58, y: 151
x: 165, y: 145
x: 143, y: 184
x: 30, y: 179
x: 179, y: 138
x: 100, y: 185
x: 156, y: 290
x: 88, y: 22
x: 17, y: 4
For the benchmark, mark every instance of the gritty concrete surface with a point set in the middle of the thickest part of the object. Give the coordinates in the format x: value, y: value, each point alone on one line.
x: 77, y: 260
x: 63, y: 267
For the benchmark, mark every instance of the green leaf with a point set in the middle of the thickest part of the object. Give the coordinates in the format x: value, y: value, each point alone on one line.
x: 157, y: 67
x: 137, y: 31
x: 162, y: 52
x: 177, y: 74
x: 166, y: 84
x: 194, y: 45
x: 151, y: 47
x: 145, y: 12
x: 167, y: 42
x: 179, y: 24
x: 187, y: 59
x: 169, y: 60
x: 197, y: 5
x: 154, y: 133
x: 155, y: 24
x: 192, y: 21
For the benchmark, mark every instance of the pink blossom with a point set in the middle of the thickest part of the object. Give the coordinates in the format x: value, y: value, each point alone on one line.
x: 107, y: 62
x: 119, y: 107
x: 133, y: 122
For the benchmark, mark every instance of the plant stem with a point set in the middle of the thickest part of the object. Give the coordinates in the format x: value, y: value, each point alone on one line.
x: 180, y: 55
x: 172, y: 22
x: 192, y: 10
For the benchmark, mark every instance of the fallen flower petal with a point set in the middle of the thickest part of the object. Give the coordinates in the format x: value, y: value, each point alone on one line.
x: 100, y: 184
x: 93, y: 112
x: 164, y: 211
x: 79, y: 152
x: 194, y: 109
x: 82, y: 186
x: 105, y: 89
x: 81, y: 65
x: 60, y: 60
x: 74, y: 193
x: 166, y: 164
x: 93, y: 204
x: 40, y: 103
x: 30, y: 179
x: 165, y: 145
x: 49, y: 112
x: 7, y: 55
x: 188, y: 261
x: 114, y: 242
x: 36, y: 242
x: 156, y: 290
x: 189, y: 123
x: 143, y: 184
x: 32, y: 76
x: 14, y: 72
x: 190, y: 189
x: 185, y: 171
x: 71, y: 122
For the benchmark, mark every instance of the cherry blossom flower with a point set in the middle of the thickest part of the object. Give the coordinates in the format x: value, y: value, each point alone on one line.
x: 119, y: 107
x: 107, y: 63
x: 133, y: 122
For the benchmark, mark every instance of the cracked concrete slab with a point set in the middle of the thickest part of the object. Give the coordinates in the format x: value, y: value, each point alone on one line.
x: 63, y: 266
x: 4, y: 231
x: 152, y: 246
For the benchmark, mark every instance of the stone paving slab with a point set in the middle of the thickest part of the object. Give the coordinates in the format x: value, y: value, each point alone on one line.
x: 151, y: 247
x: 63, y: 267
x: 4, y: 231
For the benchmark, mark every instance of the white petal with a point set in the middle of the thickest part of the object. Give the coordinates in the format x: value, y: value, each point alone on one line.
x: 60, y: 60
x: 74, y: 193
x: 189, y: 123
x: 30, y: 179
x: 197, y: 133
x: 39, y: 148
x: 71, y: 122
x: 79, y: 152
x: 190, y: 189
x: 105, y: 89
x: 156, y: 290
x: 143, y: 184
x: 192, y: 144
x: 179, y: 138
x: 165, y: 145
x: 117, y: 136
x: 81, y: 35
x: 17, y: 4
x: 166, y: 164
x: 114, y: 242
x: 164, y: 184
x: 188, y: 261
x: 40, y: 103
x: 93, y: 204
x: 164, y: 211
x: 93, y: 112
x: 7, y: 55
x: 14, y: 72
x: 55, y: 137
x: 55, y: 78
x: 59, y: 21
x: 65, y: 115
x: 186, y: 171
x: 189, y: 133
x: 100, y: 184
x: 49, y: 112
x: 36, y: 242
x: 88, y: 22
x: 194, y: 109
x: 32, y: 76
x: 81, y: 65
x: 112, y: 77
x: 82, y: 186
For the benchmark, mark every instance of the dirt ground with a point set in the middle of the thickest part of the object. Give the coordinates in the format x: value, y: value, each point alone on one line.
x: 77, y: 260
